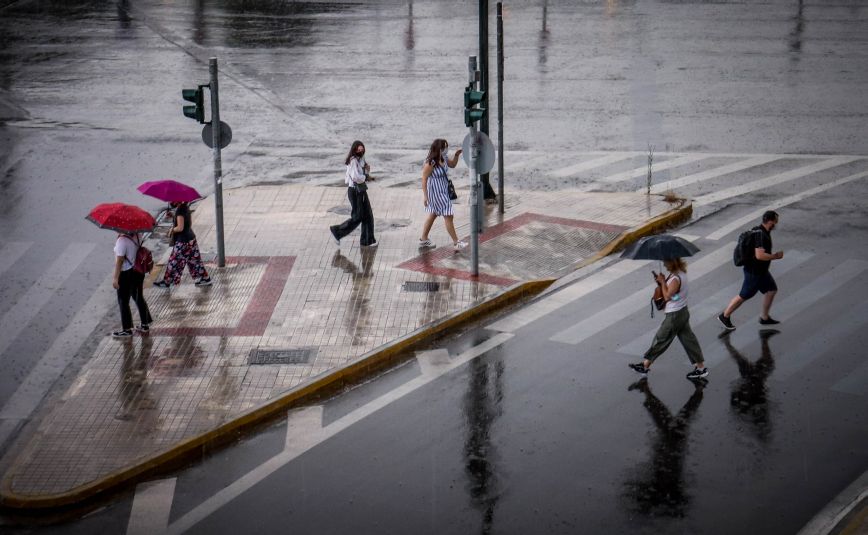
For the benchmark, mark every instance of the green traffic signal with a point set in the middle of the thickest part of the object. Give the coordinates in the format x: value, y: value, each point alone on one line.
x: 473, y: 98
x: 197, y: 97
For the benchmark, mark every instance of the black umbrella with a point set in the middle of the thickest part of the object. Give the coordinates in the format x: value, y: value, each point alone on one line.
x: 660, y: 247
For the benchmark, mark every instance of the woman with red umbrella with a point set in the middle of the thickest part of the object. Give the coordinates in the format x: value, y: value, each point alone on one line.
x: 128, y: 221
x: 185, y: 249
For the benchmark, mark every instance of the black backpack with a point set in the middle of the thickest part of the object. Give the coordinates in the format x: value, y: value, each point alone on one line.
x: 744, y: 248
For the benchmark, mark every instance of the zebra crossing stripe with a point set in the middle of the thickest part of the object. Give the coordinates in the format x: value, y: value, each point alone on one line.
x: 711, y: 306
x: 638, y: 300
x: 774, y: 180
x: 25, y: 310
x: 555, y: 301
x: 710, y: 173
x: 152, y: 505
x: 754, y: 216
x: 591, y: 164
x: 821, y: 343
x: 788, y: 308
x: 11, y: 252
x: 662, y: 166
x: 855, y: 382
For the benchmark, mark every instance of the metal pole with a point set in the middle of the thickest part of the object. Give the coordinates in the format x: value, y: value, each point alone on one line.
x: 218, y: 168
x: 500, y: 106
x: 483, y: 83
x: 475, y: 194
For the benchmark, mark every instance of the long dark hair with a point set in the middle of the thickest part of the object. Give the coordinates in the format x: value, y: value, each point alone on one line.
x: 435, y: 153
x: 356, y: 145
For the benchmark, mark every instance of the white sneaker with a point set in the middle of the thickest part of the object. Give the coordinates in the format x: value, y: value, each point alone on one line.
x: 425, y: 244
x: 372, y: 244
x: 459, y: 245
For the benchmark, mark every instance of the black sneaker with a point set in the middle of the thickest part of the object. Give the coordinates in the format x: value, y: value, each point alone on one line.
x: 639, y: 368
x: 727, y: 323
x: 143, y: 328
x: 126, y: 333
x: 769, y: 321
x: 698, y: 373
x: 161, y: 284
x: 204, y: 282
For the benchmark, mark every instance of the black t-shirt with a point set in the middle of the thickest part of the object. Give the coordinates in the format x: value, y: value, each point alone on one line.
x: 761, y: 238
x: 186, y: 235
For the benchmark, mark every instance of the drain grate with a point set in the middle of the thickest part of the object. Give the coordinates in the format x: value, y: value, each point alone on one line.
x: 281, y: 356
x: 420, y: 286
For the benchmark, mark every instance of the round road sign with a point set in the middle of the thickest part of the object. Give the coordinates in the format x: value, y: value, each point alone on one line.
x: 486, y: 155
x: 225, y: 135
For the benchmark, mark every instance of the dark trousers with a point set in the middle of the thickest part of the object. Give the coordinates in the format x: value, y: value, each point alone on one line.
x: 130, y: 285
x: 361, y: 215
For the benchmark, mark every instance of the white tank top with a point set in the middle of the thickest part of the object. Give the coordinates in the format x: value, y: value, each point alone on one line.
x: 678, y: 300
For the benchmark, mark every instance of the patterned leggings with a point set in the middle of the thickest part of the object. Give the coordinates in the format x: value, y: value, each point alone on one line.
x: 184, y: 254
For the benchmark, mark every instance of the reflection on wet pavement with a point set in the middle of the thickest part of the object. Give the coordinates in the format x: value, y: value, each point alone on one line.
x: 749, y: 399
x: 658, y: 488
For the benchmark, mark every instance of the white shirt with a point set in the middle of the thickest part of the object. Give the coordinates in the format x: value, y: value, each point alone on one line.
x: 678, y: 300
x: 126, y: 248
x: 355, y: 171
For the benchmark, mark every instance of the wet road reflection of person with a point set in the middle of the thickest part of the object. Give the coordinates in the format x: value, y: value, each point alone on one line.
x: 749, y: 396
x: 136, y: 404
x: 659, y: 488
x: 357, y: 317
x: 482, y: 407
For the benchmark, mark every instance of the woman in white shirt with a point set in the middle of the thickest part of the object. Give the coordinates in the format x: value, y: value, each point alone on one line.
x: 676, y: 321
x: 128, y: 282
x: 358, y: 174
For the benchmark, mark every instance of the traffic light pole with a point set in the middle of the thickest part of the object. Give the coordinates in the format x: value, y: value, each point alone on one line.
x: 487, y: 190
x: 218, y: 167
x: 475, y: 193
x: 500, y: 106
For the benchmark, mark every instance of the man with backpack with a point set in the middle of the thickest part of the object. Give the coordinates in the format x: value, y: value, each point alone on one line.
x: 754, y: 251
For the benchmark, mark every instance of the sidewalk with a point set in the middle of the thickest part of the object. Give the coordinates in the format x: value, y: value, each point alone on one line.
x: 290, y: 314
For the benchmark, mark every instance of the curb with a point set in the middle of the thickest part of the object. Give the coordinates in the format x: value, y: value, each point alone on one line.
x: 844, y: 513
x: 330, y: 382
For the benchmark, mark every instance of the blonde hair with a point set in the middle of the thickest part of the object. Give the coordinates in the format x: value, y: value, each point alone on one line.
x: 675, y: 264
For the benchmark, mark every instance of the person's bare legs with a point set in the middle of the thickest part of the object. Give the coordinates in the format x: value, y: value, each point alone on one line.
x: 450, y: 228
x: 426, y: 227
x: 768, y: 298
x: 733, y: 305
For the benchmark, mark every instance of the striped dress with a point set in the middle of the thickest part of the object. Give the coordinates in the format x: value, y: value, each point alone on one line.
x: 439, y: 202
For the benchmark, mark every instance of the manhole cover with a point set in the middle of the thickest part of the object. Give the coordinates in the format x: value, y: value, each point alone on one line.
x: 420, y: 286
x: 281, y: 356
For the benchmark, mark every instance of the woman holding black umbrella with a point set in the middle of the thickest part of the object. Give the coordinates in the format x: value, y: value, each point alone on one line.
x: 676, y: 322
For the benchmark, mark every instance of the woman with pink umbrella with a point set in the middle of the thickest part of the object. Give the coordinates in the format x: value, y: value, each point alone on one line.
x: 185, y: 249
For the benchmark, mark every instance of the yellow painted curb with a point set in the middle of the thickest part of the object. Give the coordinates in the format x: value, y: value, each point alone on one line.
x: 318, y: 387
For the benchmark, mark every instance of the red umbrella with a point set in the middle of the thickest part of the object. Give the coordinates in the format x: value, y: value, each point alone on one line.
x: 121, y: 217
x: 169, y: 191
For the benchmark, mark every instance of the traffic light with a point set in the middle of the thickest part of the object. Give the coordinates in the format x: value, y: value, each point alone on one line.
x: 471, y: 99
x: 197, y: 97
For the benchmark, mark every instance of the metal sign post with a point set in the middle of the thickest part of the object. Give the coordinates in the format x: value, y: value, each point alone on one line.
x: 474, y: 180
x: 216, y: 140
x: 500, y: 201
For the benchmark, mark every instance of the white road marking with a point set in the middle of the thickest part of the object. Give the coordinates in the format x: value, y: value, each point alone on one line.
x: 757, y: 214
x: 11, y: 252
x: 580, y: 167
x: 571, y: 293
x: 433, y: 362
x: 819, y: 344
x: 33, y: 388
x: 17, y: 317
x: 660, y: 166
x: 638, y: 300
x: 151, y: 507
x: 709, y: 174
x: 303, y: 429
x: 711, y: 306
x: 788, y: 308
x: 854, y: 383
x: 773, y: 180
x: 258, y: 474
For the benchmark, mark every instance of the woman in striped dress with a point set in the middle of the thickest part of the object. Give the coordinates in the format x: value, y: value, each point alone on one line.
x: 435, y: 189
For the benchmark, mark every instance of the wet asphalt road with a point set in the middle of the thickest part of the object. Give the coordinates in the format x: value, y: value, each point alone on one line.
x: 90, y: 107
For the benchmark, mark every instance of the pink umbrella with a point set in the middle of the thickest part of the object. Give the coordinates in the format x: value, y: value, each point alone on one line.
x: 169, y: 191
